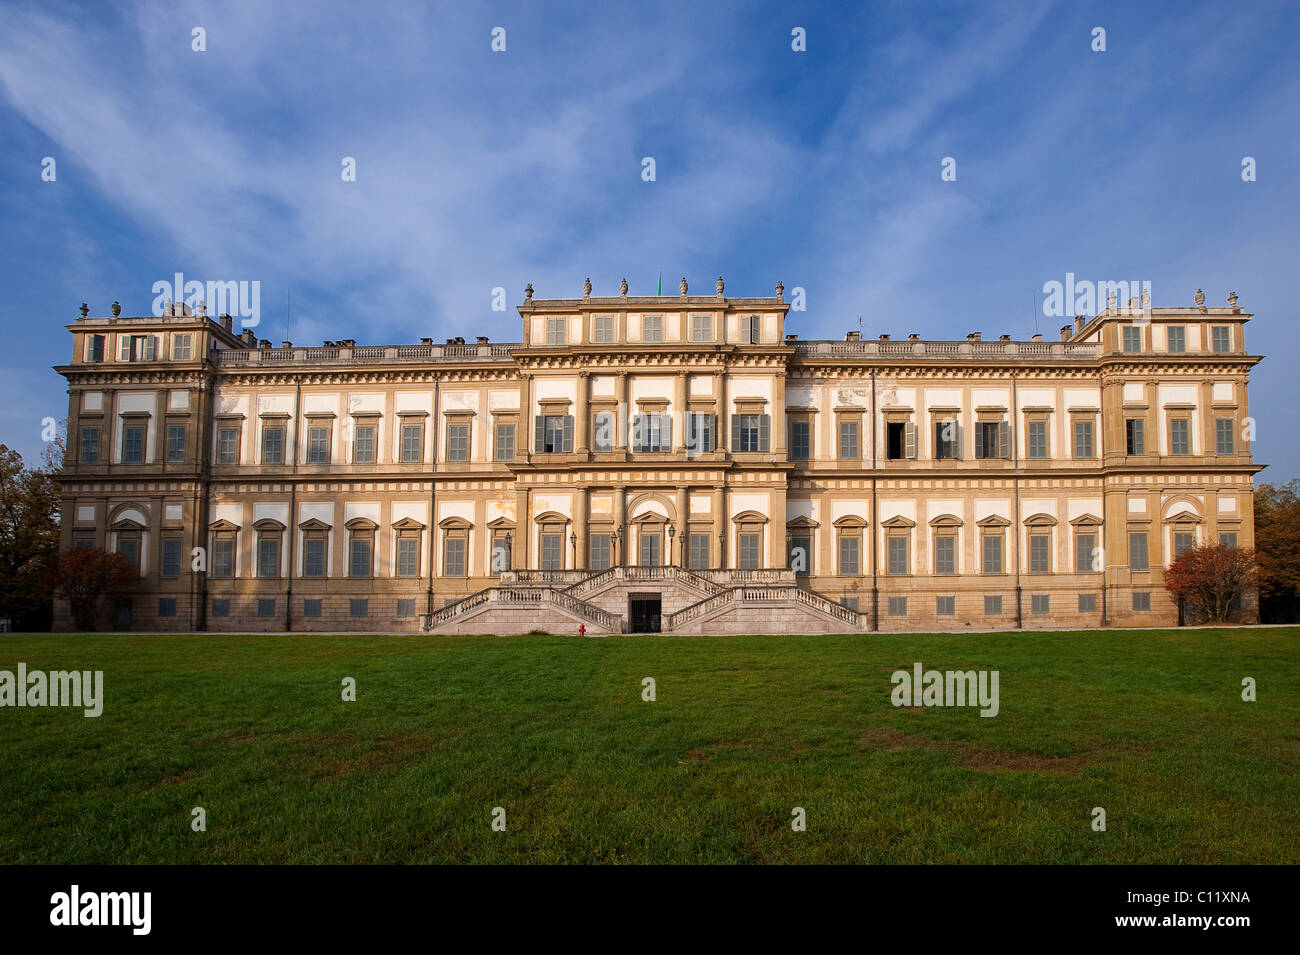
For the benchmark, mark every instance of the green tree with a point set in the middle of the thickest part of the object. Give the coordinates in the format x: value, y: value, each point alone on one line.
x: 29, y: 538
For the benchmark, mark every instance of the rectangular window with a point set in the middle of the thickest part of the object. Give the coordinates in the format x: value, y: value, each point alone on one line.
x: 311, y: 607
x: 133, y: 444
x: 405, y: 607
x: 505, y: 443
x: 701, y: 328
x: 176, y: 443
x: 552, y: 552
x: 1137, y: 551
x: 557, y: 330
x: 1183, y: 540
x: 273, y: 445
x: 749, y: 330
x: 849, y: 440
x: 652, y: 432
x: 83, y: 541
x: 359, y: 607
x: 799, y: 440
x: 1040, y: 603
x: 898, y: 555
x: 166, y: 606
x: 992, y: 439
x: 849, y: 603
x: 1141, y: 601
x: 453, y: 557
x: 408, y: 557
x: 1177, y: 335
x: 1132, y: 338
x: 554, y: 434
x: 221, y: 606
x: 993, y: 606
x: 458, y: 443
x: 699, y: 552
x: 96, y: 348
x: 1227, y: 540
x: 223, y: 557
x: 171, y: 557
x: 649, y: 550
x: 1084, y: 545
x: 850, y: 557
x: 900, y: 440
x: 266, y: 606
x: 750, y: 551
x: 750, y: 432
x: 89, y: 445
x: 359, y: 560
x: 945, y: 606
x: 1040, y: 554
x: 129, y: 547
x: 652, y: 328
x: 1037, y: 439
x: 180, y: 347
x: 598, y: 552
x: 945, y: 555
x: 800, y: 555
x: 318, y: 446
x: 1220, y: 338
x: 268, y: 557
x: 602, y: 329
x: 313, y: 557
x: 993, y: 554
x: 412, y: 443
x: 1134, y: 438
x: 1223, y: 436
x: 1179, y: 436
x: 364, y: 447
x: 602, y: 432
x: 898, y: 606
x: 1083, y: 439
x: 700, y: 433
x: 1087, y: 603
x: 945, y: 439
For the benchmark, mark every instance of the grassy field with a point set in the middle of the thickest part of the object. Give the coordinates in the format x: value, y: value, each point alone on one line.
x: 1149, y: 725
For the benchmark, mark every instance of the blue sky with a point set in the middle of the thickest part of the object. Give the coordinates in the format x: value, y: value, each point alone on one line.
x: 478, y: 169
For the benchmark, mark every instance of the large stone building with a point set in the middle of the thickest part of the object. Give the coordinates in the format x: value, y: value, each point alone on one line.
x: 674, y: 463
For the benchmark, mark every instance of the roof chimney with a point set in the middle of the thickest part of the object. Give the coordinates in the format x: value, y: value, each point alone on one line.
x: 853, y: 337
x: 973, y: 337
x: 1066, y: 331
x: 1079, y: 322
x: 482, y: 339
x: 1004, y: 338
x: 884, y: 338
x: 1036, y: 337
x: 227, y: 324
x: 426, y: 341
x: 286, y: 344
x: 914, y: 337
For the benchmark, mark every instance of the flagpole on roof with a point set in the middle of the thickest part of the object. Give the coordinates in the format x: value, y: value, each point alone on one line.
x: 660, y: 290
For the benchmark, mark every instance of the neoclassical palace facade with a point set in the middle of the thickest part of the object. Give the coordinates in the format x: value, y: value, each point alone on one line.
x: 676, y: 464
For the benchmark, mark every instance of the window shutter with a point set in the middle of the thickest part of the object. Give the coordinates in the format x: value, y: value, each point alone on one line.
x: 1004, y: 440
x: 909, y: 440
x: 764, y: 432
x: 713, y: 433
x: 666, y: 443
x: 735, y: 432
x: 958, y: 438
x: 638, y: 433
x: 568, y: 434
x: 539, y: 442
x: 123, y: 348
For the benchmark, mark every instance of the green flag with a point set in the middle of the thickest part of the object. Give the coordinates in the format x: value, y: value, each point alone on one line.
x: 660, y: 290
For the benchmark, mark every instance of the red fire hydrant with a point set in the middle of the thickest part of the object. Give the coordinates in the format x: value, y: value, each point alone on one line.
x: 582, y: 629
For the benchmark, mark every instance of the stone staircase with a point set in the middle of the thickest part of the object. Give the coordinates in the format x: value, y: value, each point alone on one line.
x: 560, y: 600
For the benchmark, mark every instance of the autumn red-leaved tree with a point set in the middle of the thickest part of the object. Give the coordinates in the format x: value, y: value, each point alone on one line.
x: 84, y: 575
x: 1209, y: 580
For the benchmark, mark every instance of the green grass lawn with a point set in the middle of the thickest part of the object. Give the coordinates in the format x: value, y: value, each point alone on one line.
x: 1149, y: 725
